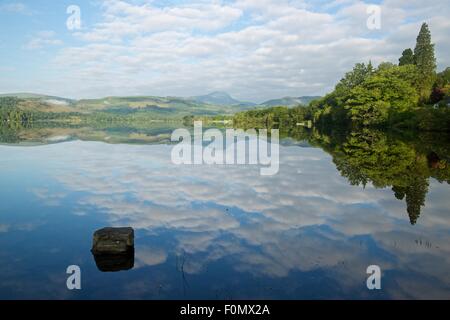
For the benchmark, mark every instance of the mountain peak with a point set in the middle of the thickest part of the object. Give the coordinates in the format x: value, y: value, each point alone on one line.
x: 221, y: 94
x: 217, y: 97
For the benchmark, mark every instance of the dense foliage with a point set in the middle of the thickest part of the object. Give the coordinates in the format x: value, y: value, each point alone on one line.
x: 280, y: 117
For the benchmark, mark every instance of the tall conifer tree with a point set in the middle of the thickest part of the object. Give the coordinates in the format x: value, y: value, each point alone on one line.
x: 426, y: 62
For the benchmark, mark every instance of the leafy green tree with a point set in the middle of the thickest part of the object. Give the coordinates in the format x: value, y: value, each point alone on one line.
x: 387, y: 93
x: 426, y: 62
x: 385, y: 66
x: 406, y: 58
x: 331, y: 107
x: 366, y: 106
x: 355, y: 77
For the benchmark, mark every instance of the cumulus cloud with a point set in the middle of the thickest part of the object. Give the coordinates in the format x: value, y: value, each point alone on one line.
x: 254, y: 49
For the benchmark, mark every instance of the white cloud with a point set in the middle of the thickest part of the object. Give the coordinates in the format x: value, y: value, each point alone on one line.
x: 149, y: 256
x: 43, y: 39
x: 123, y: 19
x: 256, y: 50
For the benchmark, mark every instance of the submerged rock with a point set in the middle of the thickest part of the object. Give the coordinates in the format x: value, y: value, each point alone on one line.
x: 113, y: 241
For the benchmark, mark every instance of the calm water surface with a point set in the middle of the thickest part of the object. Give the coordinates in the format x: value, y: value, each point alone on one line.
x: 214, y: 232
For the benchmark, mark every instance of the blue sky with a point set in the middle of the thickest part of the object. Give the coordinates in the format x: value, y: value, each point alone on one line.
x: 253, y: 49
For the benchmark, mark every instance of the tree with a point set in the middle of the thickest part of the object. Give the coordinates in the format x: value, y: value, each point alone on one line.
x: 406, y: 58
x: 385, y: 66
x: 388, y: 93
x: 355, y: 77
x: 426, y: 62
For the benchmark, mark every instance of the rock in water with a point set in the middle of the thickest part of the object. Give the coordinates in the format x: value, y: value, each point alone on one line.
x: 113, y: 241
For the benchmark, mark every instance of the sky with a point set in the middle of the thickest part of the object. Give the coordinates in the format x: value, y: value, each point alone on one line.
x: 253, y: 49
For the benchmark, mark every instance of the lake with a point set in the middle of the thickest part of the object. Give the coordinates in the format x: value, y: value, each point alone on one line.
x: 339, y: 203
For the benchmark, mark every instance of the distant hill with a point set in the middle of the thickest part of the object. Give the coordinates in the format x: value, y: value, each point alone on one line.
x: 290, y: 101
x: 42, y: 97
x: 157, y: 107
x: 224, y: 99
x: 161, y: 106
x: 42, y: 103
x: 219, y: 98
x: 215, y: 103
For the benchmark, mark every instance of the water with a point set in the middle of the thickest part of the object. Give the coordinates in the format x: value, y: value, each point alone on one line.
x: 226, y: 232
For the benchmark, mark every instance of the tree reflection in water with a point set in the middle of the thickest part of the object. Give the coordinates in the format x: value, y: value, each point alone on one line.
x: 386, y: 160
